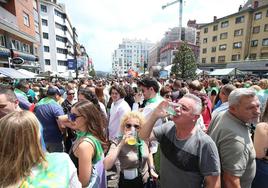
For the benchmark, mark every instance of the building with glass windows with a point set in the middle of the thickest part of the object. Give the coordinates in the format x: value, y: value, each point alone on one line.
x: 19, y: 34
x: 239, y: 40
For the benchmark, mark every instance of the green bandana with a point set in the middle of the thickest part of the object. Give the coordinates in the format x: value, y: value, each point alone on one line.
x: 97, y: 143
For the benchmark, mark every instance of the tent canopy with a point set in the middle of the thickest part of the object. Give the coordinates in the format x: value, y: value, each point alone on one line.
x: 225, y: 72
x: 28, y: 73
x: 13, y: 73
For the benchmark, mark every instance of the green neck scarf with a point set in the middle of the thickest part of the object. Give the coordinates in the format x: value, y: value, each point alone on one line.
x: 46, y: 100
x: 98, y: 148
x: 153, y: 100
x: 17, y: 91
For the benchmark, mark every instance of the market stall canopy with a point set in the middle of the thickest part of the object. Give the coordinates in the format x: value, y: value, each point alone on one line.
x: 13, y: 73
x: 48, y: 74
x: 29, y: 73
x: 226, y: 72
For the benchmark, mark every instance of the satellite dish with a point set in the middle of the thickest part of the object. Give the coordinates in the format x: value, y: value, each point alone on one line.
x: 17, y: 60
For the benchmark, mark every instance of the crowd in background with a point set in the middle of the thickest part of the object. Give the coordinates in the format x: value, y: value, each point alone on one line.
x: 193, y: 133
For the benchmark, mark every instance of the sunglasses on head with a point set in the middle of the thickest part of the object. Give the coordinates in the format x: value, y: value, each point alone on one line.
x: 73, y: 116
x: 128, y: 126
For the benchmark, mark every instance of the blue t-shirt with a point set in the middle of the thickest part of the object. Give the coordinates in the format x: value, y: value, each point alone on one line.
x: 46, y: 114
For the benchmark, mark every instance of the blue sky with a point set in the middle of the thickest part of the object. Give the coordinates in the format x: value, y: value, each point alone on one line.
x: 102, y: 24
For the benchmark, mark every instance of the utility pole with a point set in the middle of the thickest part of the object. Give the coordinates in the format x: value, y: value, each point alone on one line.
x: 75, y: 52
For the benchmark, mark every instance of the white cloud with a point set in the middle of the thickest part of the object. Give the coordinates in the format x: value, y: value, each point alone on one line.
x: 102, y: 24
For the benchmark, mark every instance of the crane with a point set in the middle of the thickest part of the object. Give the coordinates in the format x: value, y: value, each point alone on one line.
x: 180, y: 14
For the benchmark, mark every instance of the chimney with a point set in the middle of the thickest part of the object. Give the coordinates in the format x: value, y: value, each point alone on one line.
x: 256, y: 4
x: 240, y: 7
x: 214, y: 18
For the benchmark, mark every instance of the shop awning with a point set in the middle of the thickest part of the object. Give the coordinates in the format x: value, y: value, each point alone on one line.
x: 25, y: 56
x: 27, y: 73
x: 13, y: 73
x: 4, y: 52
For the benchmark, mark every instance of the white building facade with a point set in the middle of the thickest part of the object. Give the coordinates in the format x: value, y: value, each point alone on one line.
x: 57, y: 37
x: 131, y: 54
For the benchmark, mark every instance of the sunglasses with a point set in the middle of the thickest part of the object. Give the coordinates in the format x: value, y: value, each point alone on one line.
x: 128, y: 126
x: 70, y: 94
x: 167, y: 96
x: 73, y: 116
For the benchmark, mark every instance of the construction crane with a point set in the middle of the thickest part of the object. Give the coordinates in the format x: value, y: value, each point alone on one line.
x: 180, y: 14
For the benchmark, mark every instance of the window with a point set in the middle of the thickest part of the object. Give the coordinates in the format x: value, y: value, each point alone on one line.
x: 237, y: 45
x: 252, y: 56
x: 2, y: 40
x: 213, y: 49
x: 256, y: 29
x: 15, y: 44
x: 26, y: 48
x: 254, y: 43
x: 62, y: 63
x: 61, y: 27
x: 43, y: 8
x: 205, y: 30
x: 47, y: 62
x: 46, y: 48
x: 238, y: 32
x: 224, y: 24
x: 203, y: 60
x: 204, y: 50
x: 214, y: 38
x: 26, y: 20
x: 61, y: 39
x: 45, y: 35
x: 222, y: 47
x: 224, y: 35
x: 215, y: 27
x: 266, y: 27
x: 264, y: 55
x: 59, y: 13
x: 44, y: 22
x: 61, y: 51
x: 205, y: 40
x: 236, y: 57
x: 212, y: 59
x: 221, y: 59
x: 36, y: 27
x: 239, y: 19
x: 257, y: 16
x: 265, y: 42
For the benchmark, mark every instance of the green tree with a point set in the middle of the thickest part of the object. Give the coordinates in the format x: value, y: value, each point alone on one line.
x: 184, y: 65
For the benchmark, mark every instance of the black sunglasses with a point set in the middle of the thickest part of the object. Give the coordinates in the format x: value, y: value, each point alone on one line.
x: 73, y: 116
x: 128, y: 126
x: 70, y: 94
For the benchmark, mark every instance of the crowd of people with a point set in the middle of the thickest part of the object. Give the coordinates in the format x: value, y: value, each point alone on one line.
x: 152, y: 133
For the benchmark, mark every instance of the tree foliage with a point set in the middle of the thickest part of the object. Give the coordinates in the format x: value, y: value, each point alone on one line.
x: 184, y: 65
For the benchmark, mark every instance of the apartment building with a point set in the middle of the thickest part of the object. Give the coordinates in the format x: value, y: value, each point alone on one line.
x: 239, y: 37
x: 57, y: 37
x: 19, y: 34
x: 131, y: 54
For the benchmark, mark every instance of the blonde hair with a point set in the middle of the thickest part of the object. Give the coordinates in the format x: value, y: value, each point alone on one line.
x: 134, y: 115
x: 263, y: 83
x: 20, y: 147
